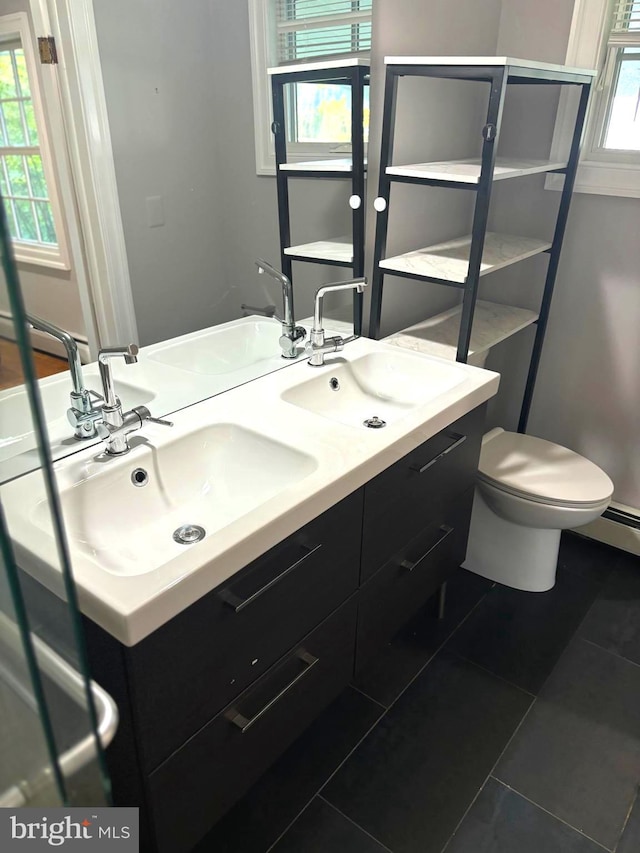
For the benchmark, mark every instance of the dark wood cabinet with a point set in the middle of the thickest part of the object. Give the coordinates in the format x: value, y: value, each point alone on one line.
x: 189, y: 669
x: 402, y: 500
x: 213, y: 697
x: 197, y: 785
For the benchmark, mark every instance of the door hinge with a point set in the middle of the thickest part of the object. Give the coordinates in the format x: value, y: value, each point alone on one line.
x: 47, y: 50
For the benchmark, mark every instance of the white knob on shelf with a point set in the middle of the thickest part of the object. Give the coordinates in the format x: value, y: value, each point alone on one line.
x: 380, y: 204
x: 354, y: 202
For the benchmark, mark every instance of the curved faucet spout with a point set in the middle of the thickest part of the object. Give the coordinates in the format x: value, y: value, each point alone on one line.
x: 291, y: 333
x: 71, y: 349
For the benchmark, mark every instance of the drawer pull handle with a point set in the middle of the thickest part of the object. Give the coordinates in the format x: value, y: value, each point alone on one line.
x: 238, y: 604
x: 457, y: 441
x: 243, y: 723
x: 410, y: 565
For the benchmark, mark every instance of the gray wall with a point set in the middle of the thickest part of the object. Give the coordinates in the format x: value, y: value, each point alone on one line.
x: 180, y: 103
x: 588, y: 391
x: 158, y: 70
x: 435, y: 120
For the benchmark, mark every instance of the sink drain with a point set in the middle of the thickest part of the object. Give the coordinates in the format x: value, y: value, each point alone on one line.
x: 374, y: 423
x: 189, y: 533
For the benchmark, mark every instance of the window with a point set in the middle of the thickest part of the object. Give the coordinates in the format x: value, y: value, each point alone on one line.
x: 605, y: 34
x: 25, y: 182
x: 293, y: 31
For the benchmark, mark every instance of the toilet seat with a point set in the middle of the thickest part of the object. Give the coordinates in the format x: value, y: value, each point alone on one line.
x: 533, y: 469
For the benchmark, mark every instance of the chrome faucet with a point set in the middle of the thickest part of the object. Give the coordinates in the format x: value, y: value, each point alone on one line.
x: 116, y: 424
x: 318, y: 345
x: 291, y: 333
x: 82, y: 414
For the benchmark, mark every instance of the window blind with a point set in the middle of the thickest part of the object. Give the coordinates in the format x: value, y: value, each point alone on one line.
x: 307, y: 29
x: 625, y: 28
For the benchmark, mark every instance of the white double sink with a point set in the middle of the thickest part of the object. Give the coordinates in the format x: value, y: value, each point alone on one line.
x: 249, y: 467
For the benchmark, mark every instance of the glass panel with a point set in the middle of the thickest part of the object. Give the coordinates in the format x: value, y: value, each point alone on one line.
x: 623, y: 129
x: 323, y: 112
x: 17, y: 177
x: 36, y: 176
x: 7, y: 77
x: 30, y: 118
x: 26, y: 220
x: 11, y: 222
x: 13, y: 123
x: 51, y: 619
x: 45, y: 220
x: 23, y: 76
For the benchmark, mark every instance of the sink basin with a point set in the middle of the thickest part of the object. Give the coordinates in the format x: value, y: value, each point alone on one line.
x: 209, y: 477
x: 378, y: 385
x: 16, y: 425
x: 224, y: 349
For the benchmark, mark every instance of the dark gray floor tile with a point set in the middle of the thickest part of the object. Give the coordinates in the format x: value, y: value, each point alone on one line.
x: 614, y: 620
x: 255, y: 822
x: 630, y: 841
x: 578, y: 752
x: 586, y: 557
x: 410, y: 781
x: 410, y: 650
x: 520, y: 635
x: 501, y: 821
x: 321, y: 829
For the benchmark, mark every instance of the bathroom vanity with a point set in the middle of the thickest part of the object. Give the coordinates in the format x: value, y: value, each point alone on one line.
x: 209, y: 700
x: 323, y: 537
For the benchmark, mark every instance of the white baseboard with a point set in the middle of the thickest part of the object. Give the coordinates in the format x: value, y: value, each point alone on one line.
x: 45, y: 342
x: 611, y: 533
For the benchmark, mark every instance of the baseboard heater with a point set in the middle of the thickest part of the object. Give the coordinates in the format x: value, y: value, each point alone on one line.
x: 622, y: 517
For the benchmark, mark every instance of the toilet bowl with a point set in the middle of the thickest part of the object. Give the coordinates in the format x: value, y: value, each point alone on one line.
x: 528, y: 490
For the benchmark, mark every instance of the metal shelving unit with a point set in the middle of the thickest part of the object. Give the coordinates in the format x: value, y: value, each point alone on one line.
x: 462, y: 262
x: 341, y: 251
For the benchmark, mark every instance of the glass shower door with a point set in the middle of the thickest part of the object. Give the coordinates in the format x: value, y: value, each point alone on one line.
x: 54, y: 720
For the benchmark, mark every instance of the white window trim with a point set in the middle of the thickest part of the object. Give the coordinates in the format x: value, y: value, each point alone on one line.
x: 261, y: 32
x: 83, y: 125
x: 587, y: 49
x: 53, y: 257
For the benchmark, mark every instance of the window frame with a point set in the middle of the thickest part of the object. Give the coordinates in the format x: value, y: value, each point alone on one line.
x: 601, y: 171
x: 14, y: 27
x: 262, y: 30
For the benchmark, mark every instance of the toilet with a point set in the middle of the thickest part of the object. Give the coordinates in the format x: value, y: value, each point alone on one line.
x: 528, y: 490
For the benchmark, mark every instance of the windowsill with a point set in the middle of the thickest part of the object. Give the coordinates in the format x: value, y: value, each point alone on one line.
x: 40, y: 257
x: 601, y: 178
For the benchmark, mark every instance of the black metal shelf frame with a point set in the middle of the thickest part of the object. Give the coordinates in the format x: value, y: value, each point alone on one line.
x: 357, y: 76
x: 498, y: 77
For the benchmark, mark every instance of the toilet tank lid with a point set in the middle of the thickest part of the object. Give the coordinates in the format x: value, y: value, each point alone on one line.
x: 546, y: 471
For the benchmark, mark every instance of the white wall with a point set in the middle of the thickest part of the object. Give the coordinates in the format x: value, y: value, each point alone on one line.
x: 588, y: 391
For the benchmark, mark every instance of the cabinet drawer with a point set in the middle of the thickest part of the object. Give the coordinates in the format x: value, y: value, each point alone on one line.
x: 189, y: 669
x: 192, y: 789
x: 400, y: 588
x: 401, y: 500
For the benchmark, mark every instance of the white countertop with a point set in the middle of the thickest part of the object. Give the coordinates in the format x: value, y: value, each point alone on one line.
x: 131, y: 606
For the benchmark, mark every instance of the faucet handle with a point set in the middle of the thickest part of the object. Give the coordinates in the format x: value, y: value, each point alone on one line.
x: 145, y: 416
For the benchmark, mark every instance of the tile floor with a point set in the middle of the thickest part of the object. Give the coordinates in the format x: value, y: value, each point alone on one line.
x: 511, y: 726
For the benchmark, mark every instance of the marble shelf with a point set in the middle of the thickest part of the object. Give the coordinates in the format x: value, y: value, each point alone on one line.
x: 438, y: 335
x: 338, y: 164
x: 468, y: 171
x: 322, y: 65
x: 338, y: 249
x: 519, y: 67
x: 449, y: 261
